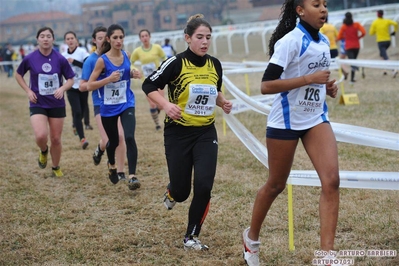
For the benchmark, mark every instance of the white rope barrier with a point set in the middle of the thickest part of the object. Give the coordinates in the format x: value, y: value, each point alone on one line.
x: 343, y: 132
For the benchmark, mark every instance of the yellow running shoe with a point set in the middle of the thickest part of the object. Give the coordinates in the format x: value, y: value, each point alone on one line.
x: 57, y: 172
x: 168, y: 201
x: 42, y: 161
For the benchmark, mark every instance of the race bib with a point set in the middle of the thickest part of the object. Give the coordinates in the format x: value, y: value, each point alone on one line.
x: 148, y: 69
x: 201, y: 100
x: 48, y: 84
x: 78, y: 75
x: 115, y: 93
x: 77, y: 71
x: 308, y: 99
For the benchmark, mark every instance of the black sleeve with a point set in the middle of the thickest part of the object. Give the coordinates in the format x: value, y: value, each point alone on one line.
x: 166, y: 72
x: 219, y: 70
x: 77, y: 63
x: 272, y: 72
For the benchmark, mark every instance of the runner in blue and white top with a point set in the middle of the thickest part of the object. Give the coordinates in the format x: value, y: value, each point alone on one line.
x: 298, y: 75
x: 98, y: 36
x: 302, y: 107
x: 118, y: 100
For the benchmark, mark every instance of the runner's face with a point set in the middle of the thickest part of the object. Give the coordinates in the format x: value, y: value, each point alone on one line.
x: 45, y: 40
x: 200, y: 41
x: 145, y: 37
x: 100, y: 38
x: 313, y: 12
x: 116, y: 39
x: 71, y: 41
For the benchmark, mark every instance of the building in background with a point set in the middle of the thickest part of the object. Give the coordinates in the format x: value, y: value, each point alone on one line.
x: 154, y: 15
x: 133, y: 15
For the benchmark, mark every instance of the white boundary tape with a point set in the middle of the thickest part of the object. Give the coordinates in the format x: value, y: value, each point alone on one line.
x: 344, y: 133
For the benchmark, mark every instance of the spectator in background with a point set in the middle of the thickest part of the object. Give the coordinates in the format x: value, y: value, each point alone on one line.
x: 331, y: 32
x: 352, y: 32
x: 1, y: 59
x: 168, y: 49
x: 7, y: 56
x: 381, y: 29
x: 30, y: 48
x: 22, y: 51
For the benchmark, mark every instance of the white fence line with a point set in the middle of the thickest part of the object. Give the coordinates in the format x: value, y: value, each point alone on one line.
x: 344, y: 133
x: 364, y: 15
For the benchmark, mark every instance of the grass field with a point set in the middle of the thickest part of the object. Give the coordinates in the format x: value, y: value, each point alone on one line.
x: 82, y: 219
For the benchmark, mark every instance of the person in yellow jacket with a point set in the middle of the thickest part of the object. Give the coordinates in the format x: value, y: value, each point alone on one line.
x: 331, y: 32
x: 150, y: 56
x: 381, y: 27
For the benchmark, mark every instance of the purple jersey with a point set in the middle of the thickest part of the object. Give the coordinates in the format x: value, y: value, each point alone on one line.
x: 46, y: 76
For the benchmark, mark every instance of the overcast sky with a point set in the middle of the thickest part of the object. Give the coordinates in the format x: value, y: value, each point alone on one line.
x: 9, y: 8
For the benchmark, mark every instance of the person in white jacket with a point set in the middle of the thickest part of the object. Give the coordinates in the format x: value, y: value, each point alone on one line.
x: 77, y: 99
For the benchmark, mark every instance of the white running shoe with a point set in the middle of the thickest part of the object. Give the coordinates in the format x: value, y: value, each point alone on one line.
x: 194, y: 244
x: 251, y: 249
x: 168, y: 201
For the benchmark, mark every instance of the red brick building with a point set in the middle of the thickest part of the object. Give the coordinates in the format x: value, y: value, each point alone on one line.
x: 133, y: 15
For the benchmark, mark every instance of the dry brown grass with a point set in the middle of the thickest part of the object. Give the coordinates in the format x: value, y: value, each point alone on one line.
x: 82, y: 219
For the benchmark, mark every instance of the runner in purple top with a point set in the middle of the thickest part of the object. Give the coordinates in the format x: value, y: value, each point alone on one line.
x: 47, y: 69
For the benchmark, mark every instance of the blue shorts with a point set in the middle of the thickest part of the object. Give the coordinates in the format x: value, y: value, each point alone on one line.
x: 96, y: 110
x: 58, y: 112
x: 333, y: 53
x: 286, y: 134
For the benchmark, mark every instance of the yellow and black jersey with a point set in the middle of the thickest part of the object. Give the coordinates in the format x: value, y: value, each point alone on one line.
x: 193, y: 84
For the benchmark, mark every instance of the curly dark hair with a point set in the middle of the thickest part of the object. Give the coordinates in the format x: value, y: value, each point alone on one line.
x: 287, y: 22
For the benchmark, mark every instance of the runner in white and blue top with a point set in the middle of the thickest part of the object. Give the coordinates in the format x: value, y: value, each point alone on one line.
x: 298, y: 75
x: 305, y: 106
x: 118, y: 100
x: 77, y: 99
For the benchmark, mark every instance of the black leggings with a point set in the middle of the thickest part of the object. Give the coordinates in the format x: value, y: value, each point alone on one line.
x: 78, y: 102
x: 110, y: 124
x: 352, y: 54
x: 187, y: 148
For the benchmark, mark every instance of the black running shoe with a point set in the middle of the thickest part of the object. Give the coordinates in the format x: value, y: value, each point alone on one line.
x: 133, y: 183
x: 122, y: 176
x: 112, y: 174
x: 98, y: 153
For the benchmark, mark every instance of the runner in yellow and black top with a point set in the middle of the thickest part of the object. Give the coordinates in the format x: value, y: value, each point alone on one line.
x: 194, y: 80
x: 150, y: 56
